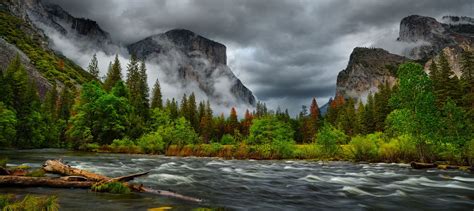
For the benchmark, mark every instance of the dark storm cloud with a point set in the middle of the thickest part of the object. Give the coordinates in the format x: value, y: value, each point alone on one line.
x: 280, y: 49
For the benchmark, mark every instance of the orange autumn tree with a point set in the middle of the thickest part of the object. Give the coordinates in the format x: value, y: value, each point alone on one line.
x: 246, y: 123
x: 334, y: 107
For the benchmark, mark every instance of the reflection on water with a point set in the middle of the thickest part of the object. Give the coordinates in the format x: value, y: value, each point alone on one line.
x: 269, y: 185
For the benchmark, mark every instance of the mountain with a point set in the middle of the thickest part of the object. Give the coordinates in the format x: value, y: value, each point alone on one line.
x: 196, y: 59
x: 435, y: 36
x: 18, y: 35
x: 367, y: 68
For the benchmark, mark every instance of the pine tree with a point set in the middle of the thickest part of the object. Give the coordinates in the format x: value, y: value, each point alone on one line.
x: 381, y: 106
x: 445, y: 83
x: 232, y: 122
x: 113, y: 75
x: 314, y: 116
x: 369, y: 114
x: 360, y: 124
x: 467, y: 82
x: 93, y: 67
x: 206, y: 124
x: 246, y: 123
x: 192, y: 112
x: 66, y: 100
x: 156, y: 100
x: 144, y: 91
x: 183, y: 108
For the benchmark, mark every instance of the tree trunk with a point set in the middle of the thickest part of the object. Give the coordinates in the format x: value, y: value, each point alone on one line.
x: 43, y: 182
x: 417, y: 165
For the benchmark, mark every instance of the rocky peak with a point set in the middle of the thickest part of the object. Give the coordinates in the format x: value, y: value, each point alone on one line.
x: 433, y: 36
x: 195, y: 59
x: 183, y: 40
x: 366, y: 70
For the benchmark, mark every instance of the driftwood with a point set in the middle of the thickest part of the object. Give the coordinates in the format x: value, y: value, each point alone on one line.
x: 417, y: 165
x: 43, y: 182
x: 78, y: 178
x: 56, y: 166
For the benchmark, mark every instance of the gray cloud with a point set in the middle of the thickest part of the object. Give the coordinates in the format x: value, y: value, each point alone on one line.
x: 286, y: 51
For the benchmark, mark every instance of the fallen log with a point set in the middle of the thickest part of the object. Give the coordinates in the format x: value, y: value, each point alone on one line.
x: 57, y: 167
x: 42, y: 182
x: 417, y: 165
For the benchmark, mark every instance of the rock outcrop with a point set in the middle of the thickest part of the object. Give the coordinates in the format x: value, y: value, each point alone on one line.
x: 367, y: 69
x: 8, y: 53
x: 195, y: 59
x: 433, y: 36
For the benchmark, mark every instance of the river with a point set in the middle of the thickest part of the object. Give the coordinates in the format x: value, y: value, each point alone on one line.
x: 257, y: 185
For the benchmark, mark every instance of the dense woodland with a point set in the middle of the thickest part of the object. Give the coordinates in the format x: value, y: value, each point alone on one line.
x: 424, y: 117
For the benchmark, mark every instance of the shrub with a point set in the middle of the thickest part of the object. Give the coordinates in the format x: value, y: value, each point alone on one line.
x: 111, y: 187
x: 307, y: 151
x: 151, y: 143
x: 364, y: 148
x: 124, y: 145
x: 29, y: 202
x: 227, y: 139
x: 283, y: 149
x: 329, y: 139
x: 179, y: 133
x: 469, y: 152
x: 36, y: 173
x: 90, y: 147
x: 401, y: 148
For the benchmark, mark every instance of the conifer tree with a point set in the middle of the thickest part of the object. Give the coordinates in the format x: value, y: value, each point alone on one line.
x: 156, y: 100
x: 144, y: 91
x: 183, y: 107
x: 232, y: 122
x: 93, y: 67
x: 467, y: 82
x: 445, y: 83
x: 113, y: 75
x: 369, y: 114
x: 314, y: 116
x: 192, y: 112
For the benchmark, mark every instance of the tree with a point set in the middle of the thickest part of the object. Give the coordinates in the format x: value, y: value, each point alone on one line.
x: 156, y: 99
x: 269, y: 129
x: 415, y: 113
x: 445, y: 83
x: 232, y: 122
x: 191, y: 110
x: 369, y: 114
x: 183, y: 107
x: 144, y: 91
x: 113, y: 75
x: 246, y: 123
x: 93, y: 67
x: 100, y: 117
x: 467, y: 82
x: 381, y: 106
x: 346, y: 115
x: 22, y: 97
x: 360, y: 124
x: 7, y: 126
x: 329, y: 138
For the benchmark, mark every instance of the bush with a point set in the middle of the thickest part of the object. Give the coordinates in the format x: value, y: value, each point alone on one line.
x: 90, y: 147
x: 283, y: 149
x: 124, y: 145
x: 469, y: 152
x: 328, y: 140
x: 364, y: 148
x: 401, y: 148
x: 179, y: 133
x: 111, y: 187
x: 227, y: 139
x: 151, y: 143
x: 29, y: 202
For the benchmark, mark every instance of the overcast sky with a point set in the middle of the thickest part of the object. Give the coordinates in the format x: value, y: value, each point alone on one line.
x: 286, y: 52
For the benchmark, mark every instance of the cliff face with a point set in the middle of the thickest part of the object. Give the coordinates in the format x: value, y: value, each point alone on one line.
x: 195, y: 59
x: 434, y: 36
x: 8, y: 53
x: 366, y: 70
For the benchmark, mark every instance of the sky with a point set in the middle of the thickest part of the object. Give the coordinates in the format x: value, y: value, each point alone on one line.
x: 285, y: 51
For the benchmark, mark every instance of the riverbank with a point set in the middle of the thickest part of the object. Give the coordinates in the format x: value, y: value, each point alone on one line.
x: 269, y: 152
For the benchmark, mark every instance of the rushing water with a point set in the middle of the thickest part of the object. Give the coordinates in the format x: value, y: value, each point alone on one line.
x: 258, y: 185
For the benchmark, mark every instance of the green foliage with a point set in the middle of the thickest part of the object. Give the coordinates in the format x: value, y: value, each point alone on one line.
x: 114, y: 74
x: 93, y: 67
x: 7, y: 126
x: 178, y: 132
x: 400, y: 148
x: 156, y: 99
x: 101, y: 117
x: 469, y: 152
x: 269, y: 129
x: 417, y: 114
x: 365, y: 148
x: 36, y: 173
x: 29, y: 202
x: 328, y: 139
x: 151, y: 143
x: 227, y: 139
x: 3, y: 162
x: 111, y: 187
